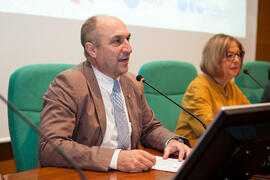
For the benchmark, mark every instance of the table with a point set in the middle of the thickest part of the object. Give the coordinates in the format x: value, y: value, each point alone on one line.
x: 54, y: 173
x: 64, y: 174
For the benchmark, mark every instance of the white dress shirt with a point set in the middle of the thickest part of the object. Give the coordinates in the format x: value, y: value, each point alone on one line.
x: 110, y: 138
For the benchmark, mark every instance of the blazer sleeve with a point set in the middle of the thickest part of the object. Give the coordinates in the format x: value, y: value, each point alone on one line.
x: 59, y: 118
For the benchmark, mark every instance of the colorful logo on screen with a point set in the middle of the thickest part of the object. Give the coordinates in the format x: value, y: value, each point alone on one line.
x: 131, y: 3
x: 189, y: 5
x: 78, y: 1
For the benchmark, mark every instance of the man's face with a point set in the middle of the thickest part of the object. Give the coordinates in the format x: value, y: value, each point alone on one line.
x: 112, y: 54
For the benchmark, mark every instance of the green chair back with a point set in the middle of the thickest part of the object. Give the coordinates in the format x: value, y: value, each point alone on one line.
x: 171, y: 78
x: 260, y: 71
x: 27, y: 86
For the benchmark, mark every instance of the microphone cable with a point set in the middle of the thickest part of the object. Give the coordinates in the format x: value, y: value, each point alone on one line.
x: 66, y: 157
x: 247, y: 73
x: 141, y: 79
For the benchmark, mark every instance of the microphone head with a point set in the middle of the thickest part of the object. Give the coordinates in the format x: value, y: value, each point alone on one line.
x: 139, y: 78
x: 246, y: 71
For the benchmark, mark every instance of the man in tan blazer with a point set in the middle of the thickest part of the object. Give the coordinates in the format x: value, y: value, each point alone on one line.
x: 78, y: 112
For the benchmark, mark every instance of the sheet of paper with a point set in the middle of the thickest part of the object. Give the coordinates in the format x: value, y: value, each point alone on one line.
x: 171, y: 165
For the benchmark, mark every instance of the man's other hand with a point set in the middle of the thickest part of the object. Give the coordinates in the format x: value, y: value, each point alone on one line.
x: 135, y: 161
x: 175, y: 146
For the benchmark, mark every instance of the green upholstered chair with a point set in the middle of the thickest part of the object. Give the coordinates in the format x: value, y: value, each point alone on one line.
x: 27, y: 86
x: 260, y: 71
x: 171, y: 78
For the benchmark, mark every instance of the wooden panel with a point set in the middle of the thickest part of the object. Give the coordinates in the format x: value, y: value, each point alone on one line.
x: 263, y: 53
x: 263, y: 31
x: 7, y: 164
x: 5, y: 151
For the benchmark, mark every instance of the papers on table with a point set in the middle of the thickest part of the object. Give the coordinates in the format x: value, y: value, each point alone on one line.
x: 171, y: 165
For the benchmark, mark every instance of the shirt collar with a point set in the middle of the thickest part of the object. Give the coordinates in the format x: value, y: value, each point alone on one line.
x: 104, y: 81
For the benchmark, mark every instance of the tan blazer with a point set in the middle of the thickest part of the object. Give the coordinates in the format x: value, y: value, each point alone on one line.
x: 73, y: 116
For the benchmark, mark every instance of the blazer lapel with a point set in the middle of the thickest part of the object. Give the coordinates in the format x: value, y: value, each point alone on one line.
x: 97, y: 97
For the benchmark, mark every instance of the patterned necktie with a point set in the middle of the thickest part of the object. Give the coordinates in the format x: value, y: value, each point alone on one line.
x: 120, y: 117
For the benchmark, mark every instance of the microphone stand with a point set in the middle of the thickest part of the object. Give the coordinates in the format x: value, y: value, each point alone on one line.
x: 140, y: 78
x: 247, y: 73
x: 68, y: 159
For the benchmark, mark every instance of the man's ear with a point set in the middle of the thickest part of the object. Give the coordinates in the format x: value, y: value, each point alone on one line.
x: 90, y: 48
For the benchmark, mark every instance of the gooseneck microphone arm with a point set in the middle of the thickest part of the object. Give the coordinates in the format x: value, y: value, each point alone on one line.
x: 66, y: 157
x: 247, y: 73
x: 141, y: 79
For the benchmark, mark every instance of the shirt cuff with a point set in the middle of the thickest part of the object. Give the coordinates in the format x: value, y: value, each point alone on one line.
x: 113, y: 164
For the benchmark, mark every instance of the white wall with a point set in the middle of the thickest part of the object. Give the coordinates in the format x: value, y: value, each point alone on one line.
x: 26, y: 39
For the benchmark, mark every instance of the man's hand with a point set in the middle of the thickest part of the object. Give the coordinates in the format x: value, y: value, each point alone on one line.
x: 174, y: 146
x: 135, y: 161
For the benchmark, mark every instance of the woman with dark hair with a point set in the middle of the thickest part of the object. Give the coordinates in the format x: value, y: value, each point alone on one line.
x: 222, y: 60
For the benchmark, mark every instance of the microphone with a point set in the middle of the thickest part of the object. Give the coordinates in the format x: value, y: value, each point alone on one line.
x: 41, y: 133
x: 247, y: 73
x: 141, y: 79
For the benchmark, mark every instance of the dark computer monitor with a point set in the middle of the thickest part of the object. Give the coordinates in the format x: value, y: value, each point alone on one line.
x: 234, y: 146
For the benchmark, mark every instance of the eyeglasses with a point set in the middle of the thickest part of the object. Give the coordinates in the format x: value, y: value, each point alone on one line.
x: 231, y: 55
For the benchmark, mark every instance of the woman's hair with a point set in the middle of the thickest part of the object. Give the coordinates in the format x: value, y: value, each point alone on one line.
x: 213, y: 52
